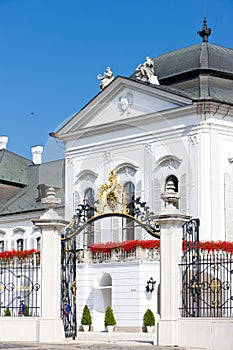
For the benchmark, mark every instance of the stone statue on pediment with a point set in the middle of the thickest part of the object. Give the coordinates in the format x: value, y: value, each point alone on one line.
x: 106, y: 78
x: 145, y: 72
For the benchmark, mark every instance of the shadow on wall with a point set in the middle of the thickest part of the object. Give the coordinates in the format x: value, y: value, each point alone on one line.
x: 102, y: 297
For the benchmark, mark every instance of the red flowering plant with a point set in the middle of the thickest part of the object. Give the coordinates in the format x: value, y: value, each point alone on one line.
x: 126, y: 245
x: 209, y: 246
x: 10, y: 254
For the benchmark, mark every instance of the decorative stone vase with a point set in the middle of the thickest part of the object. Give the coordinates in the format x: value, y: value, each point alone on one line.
x: 110, y: 328
x: 150, y: 329
x: 86, y: 327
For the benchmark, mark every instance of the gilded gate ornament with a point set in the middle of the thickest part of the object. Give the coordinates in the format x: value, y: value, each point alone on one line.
x: 112, y: 201
x: 111, y: 195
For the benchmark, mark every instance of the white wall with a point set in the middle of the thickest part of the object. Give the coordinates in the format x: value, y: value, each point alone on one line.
x: 19, y: 329
x: 206, y: 333
x: 128, y: 297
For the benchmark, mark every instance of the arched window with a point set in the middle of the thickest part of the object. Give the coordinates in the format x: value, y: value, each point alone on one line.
x: 129, y: 190
x: 19, y: 244
x: 1, y: 246
x: 128, y: 224
x: 89, y: 198
x: 38, y: 243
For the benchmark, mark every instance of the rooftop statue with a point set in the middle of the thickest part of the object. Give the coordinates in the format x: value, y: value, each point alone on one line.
x: 106, y: 78
x: 145, y: 71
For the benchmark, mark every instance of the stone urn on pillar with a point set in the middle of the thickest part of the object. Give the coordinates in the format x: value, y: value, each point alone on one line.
x: 171, y: 221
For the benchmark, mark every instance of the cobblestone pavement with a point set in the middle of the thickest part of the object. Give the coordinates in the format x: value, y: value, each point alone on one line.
x: 123, y: 346
x: 86, y: 346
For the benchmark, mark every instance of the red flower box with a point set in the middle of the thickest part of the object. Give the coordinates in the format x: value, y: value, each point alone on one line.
x: 10, y: 254
x: 209, y: 246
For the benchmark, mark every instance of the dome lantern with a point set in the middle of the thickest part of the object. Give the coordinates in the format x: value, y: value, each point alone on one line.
x: 205, y: 32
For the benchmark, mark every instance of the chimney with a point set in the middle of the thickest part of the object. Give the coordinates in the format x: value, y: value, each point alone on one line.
x: 3, y: 142
x: 36, y: 154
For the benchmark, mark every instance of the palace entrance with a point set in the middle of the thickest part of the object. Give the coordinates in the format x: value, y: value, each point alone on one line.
x: 111, y: 202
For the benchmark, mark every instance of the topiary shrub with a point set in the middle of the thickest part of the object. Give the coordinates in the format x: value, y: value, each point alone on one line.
x: 26, y: 312
x: 7, y: 312
x: 149, y: 318
x: 109, y: 319
x: 86, y: 319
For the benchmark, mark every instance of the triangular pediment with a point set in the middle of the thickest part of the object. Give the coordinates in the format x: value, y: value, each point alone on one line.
x: 123, y: 100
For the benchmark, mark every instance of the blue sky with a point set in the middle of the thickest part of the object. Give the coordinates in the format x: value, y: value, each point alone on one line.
x: 52, y: 51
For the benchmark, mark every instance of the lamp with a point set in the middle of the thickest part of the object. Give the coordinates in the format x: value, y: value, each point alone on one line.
x: 150, y: 285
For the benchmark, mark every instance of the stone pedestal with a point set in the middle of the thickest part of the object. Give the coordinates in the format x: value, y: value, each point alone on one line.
x: 50, y: 325
x: 171, y: 222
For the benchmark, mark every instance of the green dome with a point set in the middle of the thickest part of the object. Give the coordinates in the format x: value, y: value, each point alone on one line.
x: 192, y: 59
x: 202, y: 71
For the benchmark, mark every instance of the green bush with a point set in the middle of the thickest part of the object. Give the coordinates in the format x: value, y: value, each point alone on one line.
x: 7, y: 312
x: 148, y: 318
x: 26, y: 312
x: 109, y: 319
x: 86, y: 316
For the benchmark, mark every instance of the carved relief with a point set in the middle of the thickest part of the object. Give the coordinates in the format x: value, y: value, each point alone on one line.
x: 70, y: 162
x: 193, y: 138
x: 126, y: 102
x: 148, y: 147
x: 107, y: 156
x: 169, y: 162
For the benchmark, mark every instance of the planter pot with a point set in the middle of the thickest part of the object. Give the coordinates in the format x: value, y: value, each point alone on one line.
x: 110, y: 328
x: 150, y: 329
x: 86, y: 327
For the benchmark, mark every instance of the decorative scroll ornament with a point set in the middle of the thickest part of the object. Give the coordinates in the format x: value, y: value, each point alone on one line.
x: 112, y: 195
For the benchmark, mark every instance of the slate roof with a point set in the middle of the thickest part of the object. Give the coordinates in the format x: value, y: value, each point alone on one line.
x: 21, y: 173
x: 186, y: 70
x: 217, y: 59
x: 13, y: 168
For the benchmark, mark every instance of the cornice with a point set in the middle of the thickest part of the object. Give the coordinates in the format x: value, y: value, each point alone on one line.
x: 129, y: 141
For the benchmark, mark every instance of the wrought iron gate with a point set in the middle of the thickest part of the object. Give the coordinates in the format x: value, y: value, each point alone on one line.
x: 68, y: 287
x: 111, y: 202
x: 207, y: 278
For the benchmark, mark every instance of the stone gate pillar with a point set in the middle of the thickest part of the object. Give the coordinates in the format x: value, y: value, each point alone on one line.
x: 170, y: 221
x: 50, y: 325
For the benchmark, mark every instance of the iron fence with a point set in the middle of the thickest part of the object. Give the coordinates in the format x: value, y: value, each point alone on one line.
x: 207, y: 278
x: 20, y: 281
x: 68, y: 287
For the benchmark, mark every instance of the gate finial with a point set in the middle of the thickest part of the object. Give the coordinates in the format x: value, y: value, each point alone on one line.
x: 49, y: 203
x: 170, y: 197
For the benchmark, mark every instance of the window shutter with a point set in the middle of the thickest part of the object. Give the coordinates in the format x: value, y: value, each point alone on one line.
x: 183, y: 194
x: 156, y: 205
